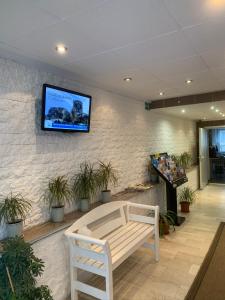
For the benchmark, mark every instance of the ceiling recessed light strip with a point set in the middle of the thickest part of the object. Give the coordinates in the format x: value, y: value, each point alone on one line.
x: 217, y: 110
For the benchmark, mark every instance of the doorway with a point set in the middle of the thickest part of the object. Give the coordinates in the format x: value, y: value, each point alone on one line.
x: 203, y: 157
x: 217, y: 154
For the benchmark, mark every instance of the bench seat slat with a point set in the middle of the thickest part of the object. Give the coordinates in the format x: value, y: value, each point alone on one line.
x: 133, y: 233
x: 126, y: 234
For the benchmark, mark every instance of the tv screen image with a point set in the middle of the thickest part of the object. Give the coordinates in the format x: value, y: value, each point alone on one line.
x: 65, y: 110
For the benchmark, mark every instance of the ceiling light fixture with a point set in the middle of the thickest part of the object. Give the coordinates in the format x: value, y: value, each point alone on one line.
x: 127, y: 79
x: 189, y: 81
x: 161, y: 93
x: 223, y: 115
x: 217, y: 110
x: 183, y: 111
x: 215, y: 5
x: 212, y: 107
x: 61, y: 49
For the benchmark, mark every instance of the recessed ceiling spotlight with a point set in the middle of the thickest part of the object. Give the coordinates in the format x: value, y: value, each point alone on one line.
x: 183, y: 111
x: 212, y: 107
x: 161, y: 93
x: 189, y: 81
x: 223, y: 115
x: 127, y: 79
x: 217, y: 110
x: 61, y: 49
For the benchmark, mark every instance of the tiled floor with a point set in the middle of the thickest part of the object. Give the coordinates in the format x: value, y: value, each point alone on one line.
x: 182, y: 252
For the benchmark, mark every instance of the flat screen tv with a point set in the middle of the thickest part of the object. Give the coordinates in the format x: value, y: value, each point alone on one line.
x: 65, y: 110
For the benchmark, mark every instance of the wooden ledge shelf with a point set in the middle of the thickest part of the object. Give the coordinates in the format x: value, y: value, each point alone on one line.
x: 42, y: 231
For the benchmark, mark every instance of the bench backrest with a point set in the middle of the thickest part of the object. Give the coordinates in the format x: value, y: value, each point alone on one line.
x: 101, y: 220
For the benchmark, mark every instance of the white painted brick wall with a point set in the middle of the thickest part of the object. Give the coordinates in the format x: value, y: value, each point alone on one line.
x: 121, y: 131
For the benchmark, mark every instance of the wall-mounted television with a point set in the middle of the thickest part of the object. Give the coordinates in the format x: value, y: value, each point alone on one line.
x: 65, y: 110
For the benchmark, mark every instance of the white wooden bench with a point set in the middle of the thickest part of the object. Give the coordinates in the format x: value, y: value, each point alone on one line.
x: 103, y: 238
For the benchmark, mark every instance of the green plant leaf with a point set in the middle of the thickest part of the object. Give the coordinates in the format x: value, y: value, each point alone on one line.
x: 85, y: 182
x: 13, y: 208
x: 106, y: 175
x: 58, y: 192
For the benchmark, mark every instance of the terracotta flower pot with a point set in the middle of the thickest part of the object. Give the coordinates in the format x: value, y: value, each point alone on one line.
x: 164, y: 228
x: 185, y: 207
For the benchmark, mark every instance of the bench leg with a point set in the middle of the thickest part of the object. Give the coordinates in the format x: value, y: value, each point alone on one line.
x: 156, y: 245
x: 74, y: 293
x: 109, y: 285
x: 156, y: 251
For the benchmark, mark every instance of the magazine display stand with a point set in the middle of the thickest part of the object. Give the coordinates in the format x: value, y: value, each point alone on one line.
x: 174, y: 176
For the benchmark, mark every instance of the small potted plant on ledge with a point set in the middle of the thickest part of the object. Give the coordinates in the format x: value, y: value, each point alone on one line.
x: 185, y: 160
x: 85, y: 185
x: 13, y: 211
x: 57, y: 194
x: 106, y: 175
x: 166, y: 220
x: 186, y: 197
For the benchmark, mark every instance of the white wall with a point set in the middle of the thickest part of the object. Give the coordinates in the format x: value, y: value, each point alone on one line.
x: 121, y: 131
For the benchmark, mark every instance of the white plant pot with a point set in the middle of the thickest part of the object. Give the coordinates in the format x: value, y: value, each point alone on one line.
x: 14, y: 229
x: 84, y: 205
x: 57, y: 214
x: 106, y: 196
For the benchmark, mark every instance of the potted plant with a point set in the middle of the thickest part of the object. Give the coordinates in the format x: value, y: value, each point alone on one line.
x: 186, y: 197
x: 19, y: 269
x: 106, y: 175
x: 166, y: 220
x: 185, y: 160
x: 85, y: 185
x: 13, y: 211
x: 57, y: 194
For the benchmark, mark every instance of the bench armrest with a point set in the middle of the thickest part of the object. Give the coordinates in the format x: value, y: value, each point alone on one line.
x: 144, y: 206
x: 87, y: 239
x: 144, y: 218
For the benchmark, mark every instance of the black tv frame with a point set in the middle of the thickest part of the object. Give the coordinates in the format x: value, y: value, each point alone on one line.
x: 46, y: 85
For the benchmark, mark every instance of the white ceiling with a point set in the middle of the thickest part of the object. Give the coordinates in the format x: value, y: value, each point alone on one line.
x: 196, y: 112
x: 159, y: 43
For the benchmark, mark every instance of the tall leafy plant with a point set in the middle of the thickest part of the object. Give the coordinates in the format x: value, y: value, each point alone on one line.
x: 106, y: 175
x: 85, y: 183
x: 58, y: 192
x: 19, y: 269
x: 14, y: 208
